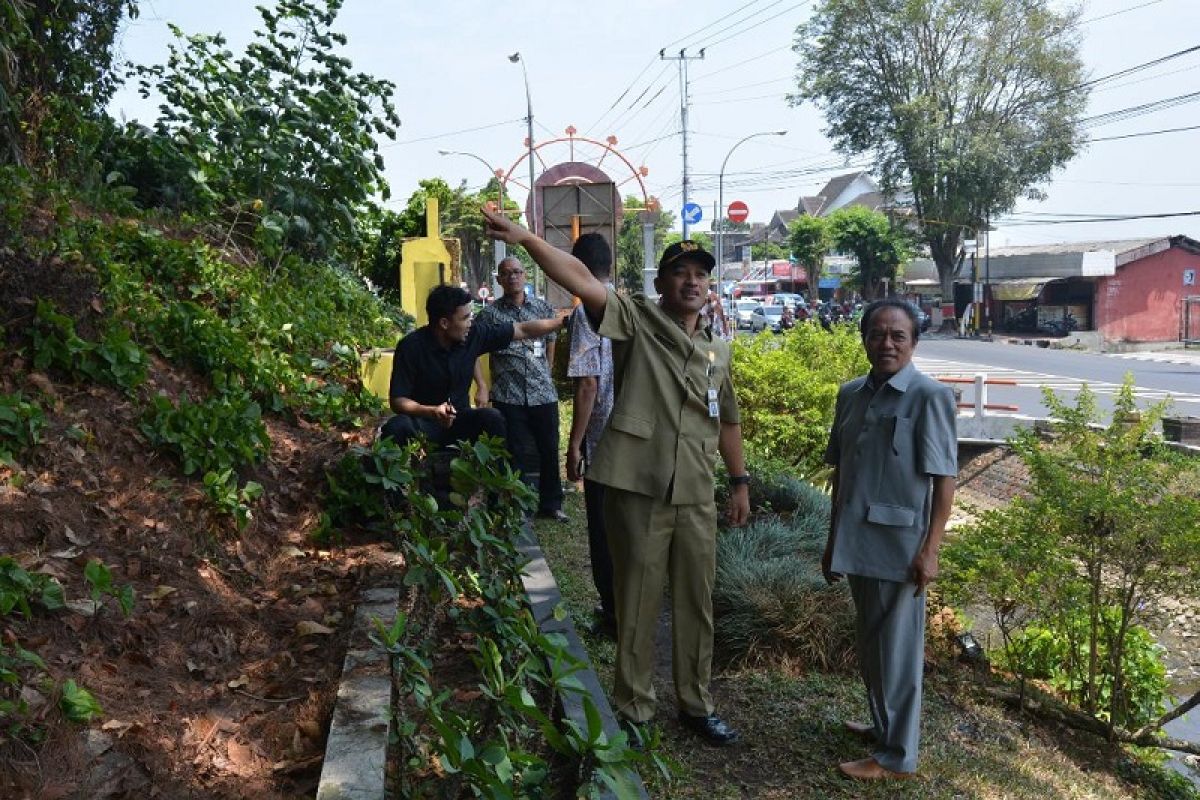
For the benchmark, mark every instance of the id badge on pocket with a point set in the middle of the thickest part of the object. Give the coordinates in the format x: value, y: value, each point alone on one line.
x: 539, y: 348
x: 714, y: 408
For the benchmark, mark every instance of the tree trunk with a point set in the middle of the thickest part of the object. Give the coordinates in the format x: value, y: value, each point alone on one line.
x: 943, y: 250
x: 1046, y: 708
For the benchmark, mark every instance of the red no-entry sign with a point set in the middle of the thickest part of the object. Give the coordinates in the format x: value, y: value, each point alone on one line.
x: 738, y: 211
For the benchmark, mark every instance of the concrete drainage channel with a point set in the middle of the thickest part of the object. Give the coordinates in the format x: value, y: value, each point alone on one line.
x: 356, y: 752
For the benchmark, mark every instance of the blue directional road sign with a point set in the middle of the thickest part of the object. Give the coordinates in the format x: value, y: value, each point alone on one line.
x: 692, y: 213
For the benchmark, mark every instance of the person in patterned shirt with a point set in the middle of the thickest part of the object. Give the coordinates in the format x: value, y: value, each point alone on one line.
x: 523, y: 391
x: 591, y: 366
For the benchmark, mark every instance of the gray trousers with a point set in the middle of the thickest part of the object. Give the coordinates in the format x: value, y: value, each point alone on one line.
x: 890, y: 633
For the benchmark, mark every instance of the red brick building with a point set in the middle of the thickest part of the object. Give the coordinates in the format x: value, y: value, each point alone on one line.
x: 1133, y: 290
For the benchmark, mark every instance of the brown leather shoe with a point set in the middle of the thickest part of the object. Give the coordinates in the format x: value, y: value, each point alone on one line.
x: 868, y: 769
x: 864, y: 732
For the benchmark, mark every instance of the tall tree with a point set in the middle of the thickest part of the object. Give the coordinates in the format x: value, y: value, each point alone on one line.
x: 56, y: 75
x: 286, y: 129
x: 629, y: 258
x: 809, y: 239
x: 763, y: 251
x: 970, y: 103
x: 878, y: 246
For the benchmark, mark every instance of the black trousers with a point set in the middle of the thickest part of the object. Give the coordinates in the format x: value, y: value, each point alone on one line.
x: 533, y: 441
x: 469, y: 424
x: 602, y: 566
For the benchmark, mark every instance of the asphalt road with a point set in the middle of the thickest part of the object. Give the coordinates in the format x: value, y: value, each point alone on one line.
x: 1156, y: 375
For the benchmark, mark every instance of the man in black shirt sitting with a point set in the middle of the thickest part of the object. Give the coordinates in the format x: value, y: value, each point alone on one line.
x: 433, y: 367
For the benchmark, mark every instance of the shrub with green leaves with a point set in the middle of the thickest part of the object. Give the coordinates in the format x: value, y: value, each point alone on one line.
x: 787, y: 387
x: 291, y: 337
x: 1110, y: 527
x: 115, y: 360
x: 20, y: 590
x: 1056, y: 650
x: 280, y: 139
x: 221, y: 433
x: 230, y: 499
x: 100, y: 582
x: 21, y: 424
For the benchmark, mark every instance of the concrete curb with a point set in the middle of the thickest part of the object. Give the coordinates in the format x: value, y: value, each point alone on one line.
x: 355, y: 765
x: 544, y: 597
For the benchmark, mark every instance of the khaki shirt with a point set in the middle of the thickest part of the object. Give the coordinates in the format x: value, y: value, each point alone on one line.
x: 660, y: 440
x: 886, y: 443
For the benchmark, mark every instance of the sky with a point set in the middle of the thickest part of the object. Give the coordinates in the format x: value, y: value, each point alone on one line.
x: 596, y: 67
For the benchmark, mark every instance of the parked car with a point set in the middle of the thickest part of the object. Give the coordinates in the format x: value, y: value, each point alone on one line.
x: 774, y: 314
x: 750, y: 316
x: 789, y: 299
x: 922, y: 320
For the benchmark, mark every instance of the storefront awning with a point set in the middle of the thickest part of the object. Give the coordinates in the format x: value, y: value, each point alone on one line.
x: 1018, y: 288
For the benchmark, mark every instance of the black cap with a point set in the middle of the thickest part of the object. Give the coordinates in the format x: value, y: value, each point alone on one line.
x: 689, y: 251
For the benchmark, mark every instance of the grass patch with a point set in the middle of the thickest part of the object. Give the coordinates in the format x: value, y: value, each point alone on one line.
x: 790, y: 721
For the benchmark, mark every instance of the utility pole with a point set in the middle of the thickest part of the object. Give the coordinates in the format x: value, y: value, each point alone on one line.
x: 683, y: 58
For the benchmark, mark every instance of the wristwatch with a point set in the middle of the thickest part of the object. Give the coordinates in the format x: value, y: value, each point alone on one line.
x: 739, y: 480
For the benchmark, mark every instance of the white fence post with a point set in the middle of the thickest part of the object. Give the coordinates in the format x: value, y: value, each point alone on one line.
x: 980, y: 393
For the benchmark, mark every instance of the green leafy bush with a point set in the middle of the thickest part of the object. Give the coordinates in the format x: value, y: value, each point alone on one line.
x: 230, y: 499
x: 116, y: 360
x: 291, y: 338
x: 1110, y: 527
x: 1056, y: 651
x: 222, y: 433
x: 280, y: 139
x: 787, y: 387
x: 21, y: 424
x: 100, y: 581
x: 19, y: 590
x: 360, y: 483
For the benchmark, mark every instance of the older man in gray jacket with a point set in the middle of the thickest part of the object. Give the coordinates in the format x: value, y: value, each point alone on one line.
x: 893, y: 447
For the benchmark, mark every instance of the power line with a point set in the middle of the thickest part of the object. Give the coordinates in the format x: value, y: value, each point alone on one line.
x: 1144, y: 133
x: 1122, y: 114
x: 757, y: 24
x: 448, y: 134
x: 743, y: 62
x: 705, y: 27
x: 1116, y: 218
x: 1090, y: 20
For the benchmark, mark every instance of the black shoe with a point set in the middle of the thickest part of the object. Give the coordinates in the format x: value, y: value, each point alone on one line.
x: 557, y: 514
x: 711, y: 728
x: 635, y: 731
x: 604, y: 625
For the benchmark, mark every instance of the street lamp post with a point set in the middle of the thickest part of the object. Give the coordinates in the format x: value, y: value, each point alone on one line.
x: 721, y: 209
x: 498, y: 247
x: 516, y: 59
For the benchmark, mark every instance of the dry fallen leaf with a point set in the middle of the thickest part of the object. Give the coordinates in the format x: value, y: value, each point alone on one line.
x: 75, y: 539
x: 120, y: 726
x: 159, y: 593
x: 291, y: 551
x: 241, y: 681
x: 68, y: 554
x: 310, y: 628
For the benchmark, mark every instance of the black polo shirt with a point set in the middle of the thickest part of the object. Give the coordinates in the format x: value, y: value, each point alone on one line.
x: 426, y: 372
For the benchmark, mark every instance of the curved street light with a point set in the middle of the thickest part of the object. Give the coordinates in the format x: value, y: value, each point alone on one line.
x: 515, y: 58
x: 499, y: 250
x: 721, y: 209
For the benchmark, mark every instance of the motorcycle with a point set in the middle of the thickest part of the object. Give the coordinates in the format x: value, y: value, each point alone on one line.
x: 1061, y: 327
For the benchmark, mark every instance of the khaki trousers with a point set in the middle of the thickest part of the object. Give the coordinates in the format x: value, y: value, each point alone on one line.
x: 651, y: 539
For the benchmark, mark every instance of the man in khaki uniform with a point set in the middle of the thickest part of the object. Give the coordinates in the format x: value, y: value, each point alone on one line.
x: 674, y: 411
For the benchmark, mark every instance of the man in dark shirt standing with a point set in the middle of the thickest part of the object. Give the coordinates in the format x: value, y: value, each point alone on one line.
x: 433, y: 367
